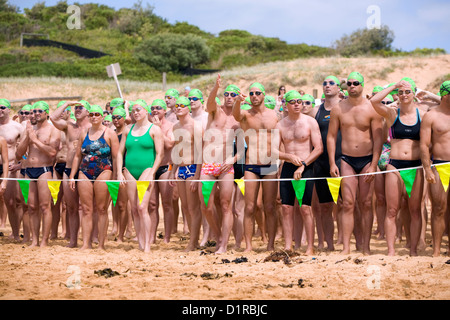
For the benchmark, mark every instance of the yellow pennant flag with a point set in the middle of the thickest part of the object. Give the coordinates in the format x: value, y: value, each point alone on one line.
x: 241, y: 184
x: 444, y: 174
x: 334, y: 184
x: 53, y: 186
x: 142, y: 186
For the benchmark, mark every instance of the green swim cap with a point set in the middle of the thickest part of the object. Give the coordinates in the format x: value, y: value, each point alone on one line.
x: 259, y: 86
x: 172, y: 93
x: 270, y: 102
x: 6, y: 103
x: 117, y: 103
x: 377, y: 89
x: 120, y: 112
x: 85, y: 104
x: 60, y: 104
x: 309, y: 97
x: 390, y: 97
x: 292, y: 94
x: 108, y: 118
x: 411, y: 82
x: 247, y: 105
x: 141, y: 103
x: 335, y: 79
x: 445, y: 88
x: 357, y: 76
x: 26, y: 107
x: 185, y: 101
x: 159, y: 102
x: 41, y: 105
x: 196, y: 93
x: 393, y: 91
x: 323, y: 96
x: 96, y: 108
x: 232, y: 88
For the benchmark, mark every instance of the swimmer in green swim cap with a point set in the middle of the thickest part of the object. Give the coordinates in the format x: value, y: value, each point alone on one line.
x: 355, y: 84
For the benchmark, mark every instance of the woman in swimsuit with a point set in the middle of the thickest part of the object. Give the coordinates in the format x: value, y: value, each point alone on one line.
x: 143, y: 146
x: 95, y: 151
x: 404, y: 132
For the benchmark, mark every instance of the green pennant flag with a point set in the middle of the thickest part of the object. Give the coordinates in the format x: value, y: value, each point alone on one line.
x: 207, y: 187
x: 113, y: 188
x: 408, y: 177
x: 299, y: 188
x: 25, y: 188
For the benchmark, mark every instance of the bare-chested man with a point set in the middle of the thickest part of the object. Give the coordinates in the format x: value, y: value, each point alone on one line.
x: 188, y: 136
x: 300, y: 136
x: 72, y: 132
x: 42, y: 143
x: 362, y: 139
x: 12, y: 132
x: 257, y: 124
x: 170, y: 98
x: 218, y: 160
x: 158, y: 111
x: 435, y: 135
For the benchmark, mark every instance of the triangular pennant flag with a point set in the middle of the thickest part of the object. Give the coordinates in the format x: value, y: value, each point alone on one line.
x: 334, y: 185
x: 444, y: 174
x: 53, y: 186
x: 408, y: 177
x: 241, y: 184
x: 207, y: 187
x: 113, y: 188
x: 299, y: 188
x: 25, y: 188
x: 142, y: 186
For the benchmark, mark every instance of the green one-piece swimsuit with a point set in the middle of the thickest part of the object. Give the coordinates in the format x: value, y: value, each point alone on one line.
x: 140, y: 153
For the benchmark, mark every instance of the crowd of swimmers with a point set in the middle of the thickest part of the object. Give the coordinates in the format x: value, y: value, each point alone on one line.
x: 228, y: 165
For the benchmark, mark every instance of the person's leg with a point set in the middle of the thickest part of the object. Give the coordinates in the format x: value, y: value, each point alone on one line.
x: 71, y: 198
x: 33, y: 210
x: 317, y: 212
x: 226, y: 188
x: 393, y: 191
x: 269, y: 189
x: 365, y: 196
x: 86, y: 192
x: 102, y: 200
x: 122, y: 208
x: 250, y: 198
x: 45, y: 206
x: 10, y: 202
x: 153, y: 210
x: 287, y: 224
x: 348, y: 189
x: 415, y: 210
x: 208, y: 210
x: 438, y: 208
x: 56, y: 208
x: 380, y: 204
x: 238, y: 213
x: 166, y: 192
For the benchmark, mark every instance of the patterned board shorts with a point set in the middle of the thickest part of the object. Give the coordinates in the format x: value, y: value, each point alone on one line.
x: 213, y: 169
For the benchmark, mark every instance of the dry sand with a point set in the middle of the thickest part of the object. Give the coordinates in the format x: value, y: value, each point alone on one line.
x: 169, y: 273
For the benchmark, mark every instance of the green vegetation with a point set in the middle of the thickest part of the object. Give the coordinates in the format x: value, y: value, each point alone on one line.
x: 145, y: 44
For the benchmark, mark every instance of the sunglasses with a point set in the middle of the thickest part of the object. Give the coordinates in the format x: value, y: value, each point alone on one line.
x: 168, y: 97
x: 116, y: 117
x: 293, y: 101
x: 193, y: 98
x: 137, y: 109
x: 231, y: 94
x: 156, y: 108
x: 386, y: 102
x: 79, y: 107
x: 400, y: 92
x: 354, y: 83
x: 180, y: 106
x: 3, y: 107
x: 38, y: 111
x: 308, y: 103
x: 331, y: 83
x: 95, y: 114
x: 24, y: 113
x: 258, y: 93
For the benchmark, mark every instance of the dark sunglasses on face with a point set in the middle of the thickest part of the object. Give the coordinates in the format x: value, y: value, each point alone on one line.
x: 137, y: 109
x: 308, y: 103
x: 331, y: 83
x: 79, y: 107
x: 95, y: 114
x: 3, y: 107
x: 400, y: 93
x: 38, y: 111
x: 194, y: 98
x: 258, y: 93
x: 116, y: 117
x: 293, y: 101
x: 386, y: 102
x: 231, y: 94
x: 354, y: 83
x: 156, y: 108
x: 24, y: 113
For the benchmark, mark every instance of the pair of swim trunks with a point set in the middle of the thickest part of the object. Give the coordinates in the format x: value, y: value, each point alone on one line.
x: 262, y: 170
x: 287, y: 192
x: 213, y: 169
x: 35, y: 173
x: 161, y: 170
x: 186, y: 172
